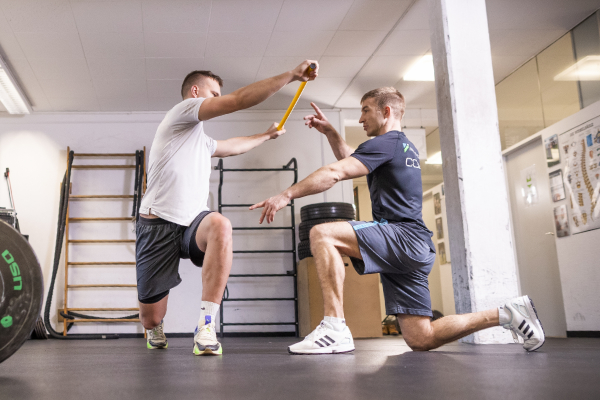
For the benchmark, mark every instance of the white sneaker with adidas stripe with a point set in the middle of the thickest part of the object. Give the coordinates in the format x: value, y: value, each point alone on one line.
x: 324, y: 340
x: 525, y: 323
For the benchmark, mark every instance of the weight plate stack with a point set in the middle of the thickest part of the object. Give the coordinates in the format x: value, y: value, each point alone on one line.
x: 21, y: 285
x: 304, y: 249
x: 327, y: 210
x: 320, y: 213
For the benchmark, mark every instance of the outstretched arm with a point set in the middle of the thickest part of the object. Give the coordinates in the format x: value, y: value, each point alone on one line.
x: 240, y: 145
x: 255, y: 93
x: 319, y: 122
x: 317, y: 182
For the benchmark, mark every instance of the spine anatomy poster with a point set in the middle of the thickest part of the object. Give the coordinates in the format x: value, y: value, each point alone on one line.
x: 580, y: 148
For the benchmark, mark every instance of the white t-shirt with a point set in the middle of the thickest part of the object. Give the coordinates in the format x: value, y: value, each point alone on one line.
x: 179, y: 167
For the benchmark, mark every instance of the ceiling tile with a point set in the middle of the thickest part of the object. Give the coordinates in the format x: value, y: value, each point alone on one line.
x: 79, y: 104
x: 416, y: 18
x: 117, y: 68
x: 172, y: 68
x: 113, y: 44
x: 298, y: 43
x: 418, y: 94
x: 388, y: 69
x: 354, y: 43
x: 60, y: 68
x: 272, y: 66
x: 123, y: 89
x: 244, y: 15
x: 71, y: 88
x: 162, y: 103
x: 9, y: 45
x: 50, y: 44
x: 241, y: 69
x: 331, y: 87
x: 547, y: 14
x: 526, y: 43
x: 39, y: 16
x: 373, y: 15
x: 349, y: 101
x: 175, y: 44
x: 123, y: 104
x: 340, y: 67
x: 98, y: 16
x: 176, y: 16
x: 312, y: 15
x: 505, y: 65
x: 170, y: 88
x: 403, y: 43
x: 29, y: 84
x: 236, y: 44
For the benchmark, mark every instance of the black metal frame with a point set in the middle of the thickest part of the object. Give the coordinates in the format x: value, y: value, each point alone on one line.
x: 290, y: 166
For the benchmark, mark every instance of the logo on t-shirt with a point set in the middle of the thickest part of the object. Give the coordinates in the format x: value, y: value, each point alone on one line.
x: 406, y: 147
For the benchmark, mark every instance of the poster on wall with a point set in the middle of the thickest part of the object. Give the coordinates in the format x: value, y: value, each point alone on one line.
x: 439, y: 228
x: 580, y: 148
x: 561, y: 221
x: 437, y: 204
x: 557, y: 187
x: 442, y: 253
x: 528, y: 185
x: 552, y: 153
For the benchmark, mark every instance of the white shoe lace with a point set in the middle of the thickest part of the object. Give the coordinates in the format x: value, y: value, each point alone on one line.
x: 319, y: 331
x: 207, y: 335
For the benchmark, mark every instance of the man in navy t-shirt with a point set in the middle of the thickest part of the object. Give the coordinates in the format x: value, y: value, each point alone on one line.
x: 396, y: 244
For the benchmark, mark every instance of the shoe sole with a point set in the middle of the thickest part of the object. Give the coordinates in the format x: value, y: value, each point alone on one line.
x: 533, y: 311
x: 150, y: 347
x: 321, y: 351
x: 207, y: 352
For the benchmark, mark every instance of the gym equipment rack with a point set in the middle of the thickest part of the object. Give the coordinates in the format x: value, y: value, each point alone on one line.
x: 291, y: 166
x: 69, y: 313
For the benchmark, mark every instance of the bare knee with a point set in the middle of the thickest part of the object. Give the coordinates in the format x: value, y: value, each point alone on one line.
x: 220, y: 229
x: 417, y: 333
x: 419, y: 344
x: 150, y: 321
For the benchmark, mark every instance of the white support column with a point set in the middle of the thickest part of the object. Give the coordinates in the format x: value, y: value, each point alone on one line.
x: 483, y: 262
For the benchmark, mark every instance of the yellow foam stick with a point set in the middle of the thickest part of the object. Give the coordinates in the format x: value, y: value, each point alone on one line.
x: 311, y: 68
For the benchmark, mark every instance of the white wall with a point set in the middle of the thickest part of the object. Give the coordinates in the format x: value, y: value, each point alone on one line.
x: 34, y: 148
x: 578, y: 255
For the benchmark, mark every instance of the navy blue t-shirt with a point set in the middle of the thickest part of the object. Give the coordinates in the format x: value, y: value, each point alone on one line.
x: 394, y: 181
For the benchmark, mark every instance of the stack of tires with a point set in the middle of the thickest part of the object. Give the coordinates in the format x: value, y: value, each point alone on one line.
x: 320, y: 213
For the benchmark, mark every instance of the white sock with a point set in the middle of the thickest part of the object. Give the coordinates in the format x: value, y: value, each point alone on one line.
x: 505, y: 315
x: 338, y: 323
x: 208, y: 313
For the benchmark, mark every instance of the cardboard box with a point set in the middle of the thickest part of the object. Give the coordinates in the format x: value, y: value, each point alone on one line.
x: 361, y: 300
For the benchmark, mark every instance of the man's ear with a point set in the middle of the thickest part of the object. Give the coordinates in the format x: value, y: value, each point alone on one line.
x: 387, y: 112
x: 195, y: 89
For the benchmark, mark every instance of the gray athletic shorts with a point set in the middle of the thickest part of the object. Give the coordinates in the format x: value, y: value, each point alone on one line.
x: 403, y: 261
x: 159, y: 246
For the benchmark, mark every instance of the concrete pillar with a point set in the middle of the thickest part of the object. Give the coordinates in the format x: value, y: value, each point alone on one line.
x: 483, y: 259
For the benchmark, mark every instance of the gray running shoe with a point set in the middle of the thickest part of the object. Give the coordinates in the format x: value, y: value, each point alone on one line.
x: 156, y: 338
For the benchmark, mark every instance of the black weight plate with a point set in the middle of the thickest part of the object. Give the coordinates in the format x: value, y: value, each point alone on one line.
x: 327, y: 210
x: 22, y: 285
x: 304, y: 249
x: 306, y: 226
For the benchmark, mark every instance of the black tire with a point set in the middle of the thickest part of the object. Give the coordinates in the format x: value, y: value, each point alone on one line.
x: 304, y: 249
x: 327, y: 210
x: 306, y: 226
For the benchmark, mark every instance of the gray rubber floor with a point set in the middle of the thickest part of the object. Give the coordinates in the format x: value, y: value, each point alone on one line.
x: 261, y: 368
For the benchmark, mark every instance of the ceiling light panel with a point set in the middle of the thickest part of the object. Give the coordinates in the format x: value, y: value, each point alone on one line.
x: 422, y: 70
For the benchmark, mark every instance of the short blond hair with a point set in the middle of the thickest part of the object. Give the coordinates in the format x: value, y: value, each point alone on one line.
x: 387, y: 97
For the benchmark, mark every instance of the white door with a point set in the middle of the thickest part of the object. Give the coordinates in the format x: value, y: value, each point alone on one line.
x: 536, y: 248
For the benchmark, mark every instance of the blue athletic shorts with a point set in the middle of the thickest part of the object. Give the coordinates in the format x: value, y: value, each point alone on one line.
x: 403, y: 261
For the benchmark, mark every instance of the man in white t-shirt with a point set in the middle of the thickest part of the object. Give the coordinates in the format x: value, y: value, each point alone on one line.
x: 175, y: 221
